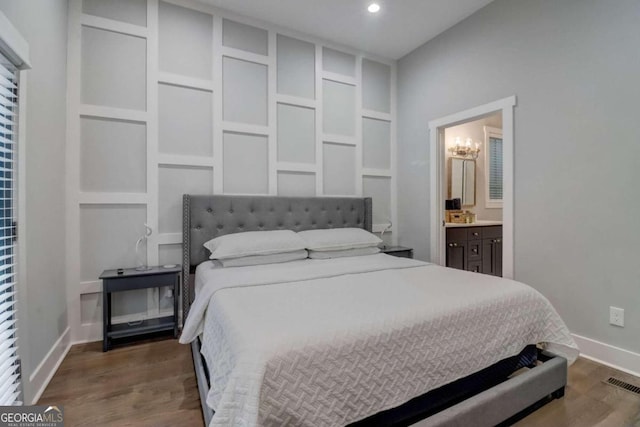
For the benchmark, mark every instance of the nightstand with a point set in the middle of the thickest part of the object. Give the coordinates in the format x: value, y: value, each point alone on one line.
x: 399, y: 251
x: 130, y: 279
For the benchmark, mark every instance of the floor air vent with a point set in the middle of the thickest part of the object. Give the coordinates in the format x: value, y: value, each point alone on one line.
x: 623, y: 385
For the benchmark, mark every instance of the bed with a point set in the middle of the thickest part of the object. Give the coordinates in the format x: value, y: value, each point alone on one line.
x: 370, y: 340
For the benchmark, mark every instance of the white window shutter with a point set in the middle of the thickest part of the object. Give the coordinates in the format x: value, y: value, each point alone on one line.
x: 495, y: 168
x: 9, y: 362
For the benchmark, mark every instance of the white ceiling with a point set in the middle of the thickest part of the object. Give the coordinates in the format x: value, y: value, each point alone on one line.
x: 399, y: 27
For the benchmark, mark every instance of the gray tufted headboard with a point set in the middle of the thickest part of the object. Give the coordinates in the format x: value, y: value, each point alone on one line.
x: 205, y: 217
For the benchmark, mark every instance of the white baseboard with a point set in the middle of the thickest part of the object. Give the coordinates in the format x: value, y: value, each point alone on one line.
x: 609, y: 355
x: 88, y: 332
x: 43, y: 373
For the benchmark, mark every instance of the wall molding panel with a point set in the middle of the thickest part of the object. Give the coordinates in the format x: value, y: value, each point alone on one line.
x: 185, y: 81
x: 113, y: 198
x: 296, y: 101
x: 102, y: 112
x: 180, y: 160
x: 377, y: 115
x: 227, y: 104
x: 98, y: 22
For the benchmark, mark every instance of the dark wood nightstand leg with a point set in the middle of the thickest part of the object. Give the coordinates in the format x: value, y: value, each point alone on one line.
x: 176, y: 292
x: 109, y: 294
x: 106, y: 314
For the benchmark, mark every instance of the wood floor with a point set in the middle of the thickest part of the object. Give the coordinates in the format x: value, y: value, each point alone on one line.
x: 153, y: 384
x: 147, y: 384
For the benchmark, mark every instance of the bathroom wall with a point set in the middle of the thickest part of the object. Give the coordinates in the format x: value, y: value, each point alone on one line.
x: 475, y: 131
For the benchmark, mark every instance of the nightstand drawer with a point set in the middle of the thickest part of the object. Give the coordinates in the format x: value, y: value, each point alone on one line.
x: 141, y: 282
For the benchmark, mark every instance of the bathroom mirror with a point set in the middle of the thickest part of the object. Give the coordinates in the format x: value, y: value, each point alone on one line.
x: 462, y: 180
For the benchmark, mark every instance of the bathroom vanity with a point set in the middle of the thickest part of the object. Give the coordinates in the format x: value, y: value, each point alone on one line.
x: 475, y: 247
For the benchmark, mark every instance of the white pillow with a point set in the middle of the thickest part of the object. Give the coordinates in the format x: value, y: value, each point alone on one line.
x: 334, y: 239
x: 254, y: 243
x: 344, y: 253
x: 264, y: 259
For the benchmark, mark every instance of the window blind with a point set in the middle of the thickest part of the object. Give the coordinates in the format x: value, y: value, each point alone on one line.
x: 9, y: 364
x: 495, y: 168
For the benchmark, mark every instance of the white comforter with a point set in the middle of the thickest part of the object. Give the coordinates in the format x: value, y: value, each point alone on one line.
x: 329, y: 342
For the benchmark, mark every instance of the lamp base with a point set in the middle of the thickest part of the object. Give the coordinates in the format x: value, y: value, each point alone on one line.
x: 143, y: 268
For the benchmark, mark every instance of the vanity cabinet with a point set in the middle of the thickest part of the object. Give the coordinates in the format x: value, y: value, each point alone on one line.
x: 492, y: 251
x: 457, y: 248
x: 477, y: 249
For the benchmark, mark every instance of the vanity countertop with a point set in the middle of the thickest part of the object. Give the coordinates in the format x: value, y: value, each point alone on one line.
x: 478, y: 223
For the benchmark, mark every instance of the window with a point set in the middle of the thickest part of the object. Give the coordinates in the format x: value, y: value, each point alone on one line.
x: 9, y: 364
x: 493, y: 167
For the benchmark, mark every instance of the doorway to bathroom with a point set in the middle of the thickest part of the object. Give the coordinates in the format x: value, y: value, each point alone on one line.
x: 472, y: 189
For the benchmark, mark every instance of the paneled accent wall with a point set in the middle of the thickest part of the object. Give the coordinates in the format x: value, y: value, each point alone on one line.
x: 172, y: 97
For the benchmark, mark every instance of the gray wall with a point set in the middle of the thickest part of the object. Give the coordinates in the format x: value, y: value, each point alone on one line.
x: 574, y: 66
x: 43, y: 23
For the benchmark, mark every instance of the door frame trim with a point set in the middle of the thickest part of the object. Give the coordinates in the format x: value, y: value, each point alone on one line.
x: 437, y: 166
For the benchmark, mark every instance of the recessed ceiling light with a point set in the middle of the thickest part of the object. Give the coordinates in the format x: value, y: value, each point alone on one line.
x: 374, y: 8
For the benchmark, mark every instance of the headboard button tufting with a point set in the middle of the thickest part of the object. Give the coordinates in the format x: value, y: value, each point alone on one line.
x: 210, y: 216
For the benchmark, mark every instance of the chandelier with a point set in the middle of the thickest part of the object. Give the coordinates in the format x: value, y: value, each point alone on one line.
x: 467, y: 150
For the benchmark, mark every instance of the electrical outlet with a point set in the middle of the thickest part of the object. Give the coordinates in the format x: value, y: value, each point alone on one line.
x: 616, y: 316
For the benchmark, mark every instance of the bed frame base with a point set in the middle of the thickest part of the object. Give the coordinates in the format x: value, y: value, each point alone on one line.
x: 531, y: 409
x: 508, y: 401
x: 501, y: 405
x: 203, y: 381
x: 209, y: 216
